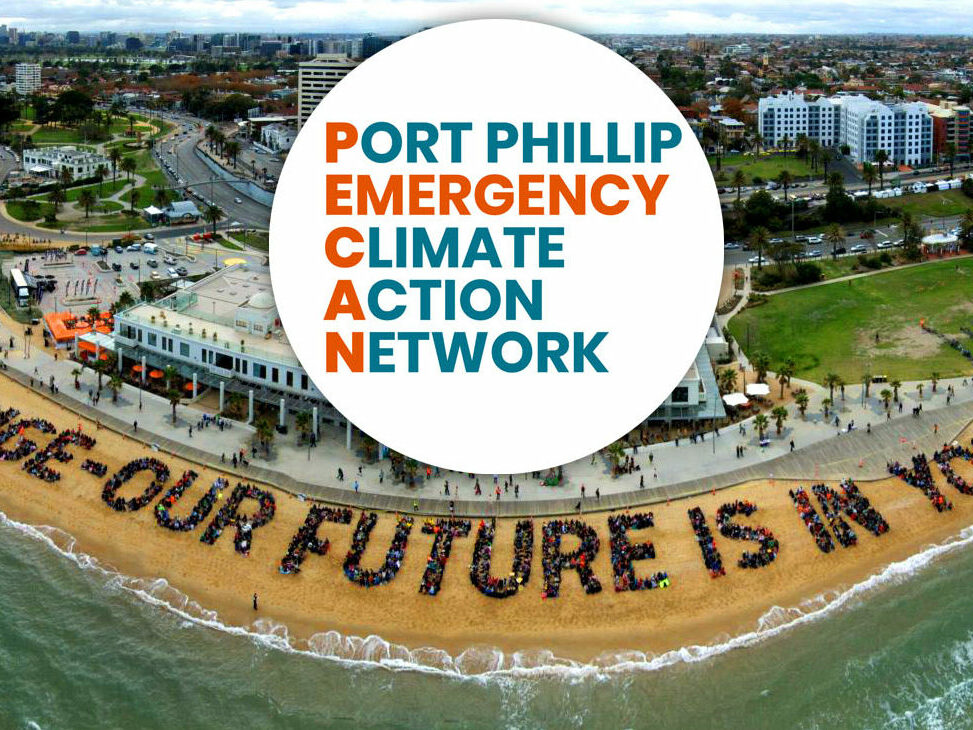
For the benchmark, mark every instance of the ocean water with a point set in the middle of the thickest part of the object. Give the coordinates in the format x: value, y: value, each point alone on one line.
x: 80, y: 648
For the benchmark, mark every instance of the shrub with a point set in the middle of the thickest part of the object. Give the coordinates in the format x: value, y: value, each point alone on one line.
x: 807, y: 272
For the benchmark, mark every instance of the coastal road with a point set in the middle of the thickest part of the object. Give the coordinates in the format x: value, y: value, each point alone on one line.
x: 180, y: 153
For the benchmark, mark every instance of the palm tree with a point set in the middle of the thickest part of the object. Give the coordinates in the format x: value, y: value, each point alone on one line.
x: 129, y: 166
x: 834, y: 235
x: 826, y: 405
x: 950, y: 153
x: 115, y: 385
x: 780, y: 415
x: 934, y: 380
x: 101, y: 172
x: 761, y: 423
x: 264, y: 431
x: 161, y: 198
x: 57, y: 198
x: 896, y: 384
x: 114, y: 155
x: 232, y: 151
x: 174, y: 397
x: 886, y: 396
x: 869, y: 176
x: 867, y: 382
x: 784, y: 374
x: 738, y: 181
x: 170, y: 373
x: 727, y: 380
x: 761, y: 363
x: 831, y: 380
x: 134, y: 196
x: 919, y: 389
x: 212, y: 214
x: 302, y: 422
x: 615, y: 452
x: 802, y: 400
x: 759, y: 238
x: 881, y: 157
x: 785, y: 143
x: 87, y: 199
x: 785, y: 179
x: 77, y: 375
x: 125, y: 300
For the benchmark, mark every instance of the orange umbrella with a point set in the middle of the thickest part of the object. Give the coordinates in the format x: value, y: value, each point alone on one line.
x: 136, y: 368
x: 188, y: 386
x: 156, y: 374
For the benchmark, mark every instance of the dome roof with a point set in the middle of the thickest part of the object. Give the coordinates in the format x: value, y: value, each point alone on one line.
x: 261, y: 300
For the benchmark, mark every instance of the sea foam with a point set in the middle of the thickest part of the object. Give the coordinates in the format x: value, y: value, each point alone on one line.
x: 481, y: 663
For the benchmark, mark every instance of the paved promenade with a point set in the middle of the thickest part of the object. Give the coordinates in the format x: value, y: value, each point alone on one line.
x: 821, y: 449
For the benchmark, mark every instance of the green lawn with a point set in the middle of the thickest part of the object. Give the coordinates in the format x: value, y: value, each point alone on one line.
x: 108, y: 188
x: 832, y: 328
x: 115, y: 222
x: 256, y: 239
x: 767, y: 167
x: 57, y: 135
x: 942, y: 203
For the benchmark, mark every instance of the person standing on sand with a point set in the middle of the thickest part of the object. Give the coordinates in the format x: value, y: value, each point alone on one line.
x: 254, y: 601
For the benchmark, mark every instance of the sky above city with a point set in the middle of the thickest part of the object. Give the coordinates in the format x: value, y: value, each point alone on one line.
x: 404, y: 16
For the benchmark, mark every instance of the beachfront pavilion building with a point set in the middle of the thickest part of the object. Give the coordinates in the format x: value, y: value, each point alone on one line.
x: 51, y: 161
x: 696, y: 400
x: 224, y: 332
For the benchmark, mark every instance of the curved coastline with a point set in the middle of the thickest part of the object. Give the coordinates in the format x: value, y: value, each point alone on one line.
x: 481, y: 662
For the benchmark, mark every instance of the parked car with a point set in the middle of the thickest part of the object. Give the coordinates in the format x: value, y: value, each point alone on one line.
x: 755, y: 259
x: 776, y: 240
x: 815, y: 240
x: 182, y: 271
x: 731, y: 246
x: 81, y: 252
x: 885, y: 244
x: 135, y: 247
x: 859, y: 248
x: 119, y: 249
x: 116, y: 266
x: 814, y: 254
x: 172, y: 273
x: 152, y: 263
x: 149, y: 237
x: 168, y: 260
x: 238, y: 200
x: 156, y: 275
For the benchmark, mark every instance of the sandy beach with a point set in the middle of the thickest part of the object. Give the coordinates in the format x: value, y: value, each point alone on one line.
x: 695, y: 609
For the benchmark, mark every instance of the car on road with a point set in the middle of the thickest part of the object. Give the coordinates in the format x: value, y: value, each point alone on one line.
x: 885, y: 244
x: 840, y: 250
x: 813, y: 254
x: 116, y: 266
x: 238, y: 200
x: 731, y: 246
x: 776, y: 240
x: 754, y: 260
x: 149, y: 237
x: 182, y: 271
x: 81, y: 252
x: 135, y: 247
x: 133, y: 264
x: 814, y: 240
x: 152, y: 264
x: 858, y: 248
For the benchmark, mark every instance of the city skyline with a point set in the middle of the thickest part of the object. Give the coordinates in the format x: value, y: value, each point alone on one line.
x: 651, y: 17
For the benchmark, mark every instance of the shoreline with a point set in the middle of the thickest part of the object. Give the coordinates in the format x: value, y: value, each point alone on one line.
x: 695, y: 611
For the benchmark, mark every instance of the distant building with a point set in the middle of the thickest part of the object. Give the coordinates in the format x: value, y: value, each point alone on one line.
x: 316, y: 78
x: 182, y: 211
x: 51, y: 161
x: 27, y: 78
x: 950, y: 125
x: 72, y: 37
x: 789, y: 115
x: 904, y: 131
x: 277, y: 137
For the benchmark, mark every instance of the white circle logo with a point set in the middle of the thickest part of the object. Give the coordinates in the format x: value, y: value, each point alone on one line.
x: 496, y: 246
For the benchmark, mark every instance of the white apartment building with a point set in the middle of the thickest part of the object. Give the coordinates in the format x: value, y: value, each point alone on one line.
x: 277, y: 137
x: 50, y: 161
x: 316, y: 78
x: 27, y: 78
x: 789, y: 115
x: 904, y: 131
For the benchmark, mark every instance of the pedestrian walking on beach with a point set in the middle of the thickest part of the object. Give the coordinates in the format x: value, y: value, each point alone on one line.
x: 254, y: 601
x: 597, y: 493
x: 356, y: 486
x: 641, y: 481
x: 135, y: 426
x: 792, y: 444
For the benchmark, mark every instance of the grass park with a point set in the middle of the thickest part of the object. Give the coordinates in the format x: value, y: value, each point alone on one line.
x: 832, y: 328
x: 766, y: 167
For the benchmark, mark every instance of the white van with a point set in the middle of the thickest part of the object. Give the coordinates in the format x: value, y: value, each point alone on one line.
x: 172, y: 273
x: 150, y: 248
